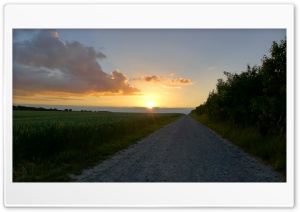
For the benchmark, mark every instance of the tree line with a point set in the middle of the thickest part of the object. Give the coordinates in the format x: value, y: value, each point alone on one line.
x: 27, y: 108
x: 20, y: 107
x: 255, y: 97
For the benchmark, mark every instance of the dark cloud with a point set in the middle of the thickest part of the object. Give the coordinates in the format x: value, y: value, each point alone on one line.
x: 153, y: 78
x: 45, y: 64
x: 150, y: 78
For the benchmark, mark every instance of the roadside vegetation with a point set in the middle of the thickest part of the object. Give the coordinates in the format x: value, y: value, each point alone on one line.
x: 48, y: 146
x: 249, y: 108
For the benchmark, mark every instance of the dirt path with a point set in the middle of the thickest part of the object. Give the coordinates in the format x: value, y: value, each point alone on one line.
x: 183, y: 151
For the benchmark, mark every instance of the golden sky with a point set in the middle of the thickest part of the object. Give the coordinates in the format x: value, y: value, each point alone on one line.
x: 130, y: 68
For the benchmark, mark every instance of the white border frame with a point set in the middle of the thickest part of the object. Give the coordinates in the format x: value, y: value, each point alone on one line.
x: 147, y: 16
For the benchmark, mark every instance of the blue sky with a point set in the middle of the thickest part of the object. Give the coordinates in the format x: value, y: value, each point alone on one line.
x: 162, y: 67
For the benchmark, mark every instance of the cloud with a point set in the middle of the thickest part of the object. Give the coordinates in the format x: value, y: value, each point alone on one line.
x: 151, y: 78
x: 45, y: 64
x: 62, y: 98
x: 181, y: 81
x: 172, y: 86
x: 167, y: 82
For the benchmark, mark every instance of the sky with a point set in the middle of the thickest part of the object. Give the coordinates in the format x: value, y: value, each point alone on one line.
x: 172, y: 68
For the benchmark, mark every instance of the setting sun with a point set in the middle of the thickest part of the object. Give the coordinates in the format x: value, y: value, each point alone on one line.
x: 149, y: 105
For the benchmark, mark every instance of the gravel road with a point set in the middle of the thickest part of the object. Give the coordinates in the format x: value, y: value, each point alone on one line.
x: 182, y: 151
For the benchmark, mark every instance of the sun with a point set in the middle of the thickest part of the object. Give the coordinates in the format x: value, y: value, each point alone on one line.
x: 149, y: 105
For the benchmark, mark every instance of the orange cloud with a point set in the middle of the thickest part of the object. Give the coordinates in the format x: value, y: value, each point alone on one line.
x: 172, y: 86
x: 149, y: 78
x: 181, y: 81
x: 169, y: 83
x: 45, y: 64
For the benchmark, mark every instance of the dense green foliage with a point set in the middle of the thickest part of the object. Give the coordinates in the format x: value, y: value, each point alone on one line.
x: 256, y: 97
x: 250, y: 108
x: 49, y: 144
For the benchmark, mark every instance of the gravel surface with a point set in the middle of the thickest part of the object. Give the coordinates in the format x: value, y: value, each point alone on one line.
x: 182, y: 151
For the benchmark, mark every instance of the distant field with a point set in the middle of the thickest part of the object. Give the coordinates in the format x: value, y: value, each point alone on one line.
x: 50, y: 145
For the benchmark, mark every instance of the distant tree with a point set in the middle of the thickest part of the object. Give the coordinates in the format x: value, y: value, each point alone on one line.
x: 70, y: 110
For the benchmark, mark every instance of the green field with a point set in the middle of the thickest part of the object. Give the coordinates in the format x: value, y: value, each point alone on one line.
x: 48, y: 146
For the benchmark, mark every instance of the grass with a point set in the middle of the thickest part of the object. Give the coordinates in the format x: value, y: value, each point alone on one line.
x: 271, y: 149
x: 48, y: 146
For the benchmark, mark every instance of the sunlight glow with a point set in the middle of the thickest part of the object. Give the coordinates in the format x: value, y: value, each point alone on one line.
x: 149, y: 105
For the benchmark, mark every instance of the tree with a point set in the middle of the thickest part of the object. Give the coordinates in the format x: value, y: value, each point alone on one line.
x: 271, y: 105
x: 256, y: 97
